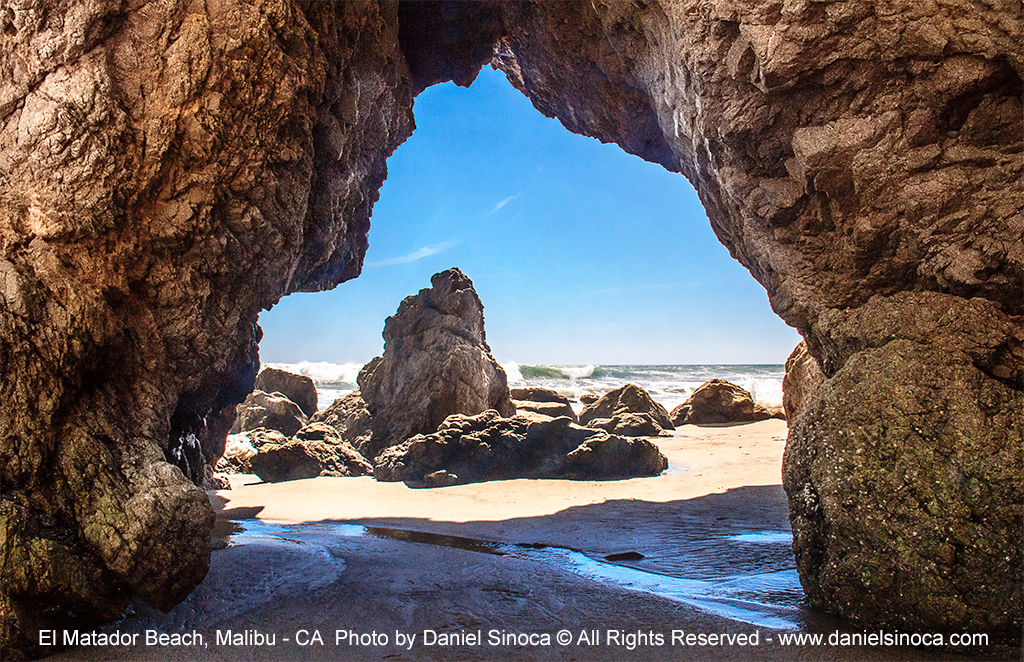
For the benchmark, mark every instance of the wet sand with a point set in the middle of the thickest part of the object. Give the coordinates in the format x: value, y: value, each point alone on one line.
x: 496, y: 571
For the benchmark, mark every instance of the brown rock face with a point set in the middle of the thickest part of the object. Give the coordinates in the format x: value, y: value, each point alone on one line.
x: 543, y: 401
x: 552, y: 409
x: 864, y: 164
x: 718, y: 401
x: 628, y: 399
x: 300, y: 389
x: 436, y: 363
x: 167, y: 170
x: 467, y: 449
x: 803, y: 377
x: 537, y: 394
x: 268, y: 410
x: 628, y: 424
x: 317, y: 450
x: 350, y: 417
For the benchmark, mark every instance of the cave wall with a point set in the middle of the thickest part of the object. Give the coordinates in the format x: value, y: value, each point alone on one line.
x: 167, y: 170
x: 864, y: 162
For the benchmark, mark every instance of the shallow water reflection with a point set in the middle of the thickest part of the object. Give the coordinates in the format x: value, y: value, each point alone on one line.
x: 770, y: 598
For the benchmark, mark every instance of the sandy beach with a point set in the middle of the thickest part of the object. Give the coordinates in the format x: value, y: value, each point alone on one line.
x: 702, y: 461
x: 694, y: 563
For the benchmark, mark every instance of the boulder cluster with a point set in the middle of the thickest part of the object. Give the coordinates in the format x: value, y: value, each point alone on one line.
x: 436, y: 410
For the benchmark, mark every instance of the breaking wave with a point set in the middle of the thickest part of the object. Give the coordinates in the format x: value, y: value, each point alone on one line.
x: 322, y: 372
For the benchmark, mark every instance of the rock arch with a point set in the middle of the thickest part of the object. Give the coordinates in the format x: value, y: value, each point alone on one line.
x: 169, y: 170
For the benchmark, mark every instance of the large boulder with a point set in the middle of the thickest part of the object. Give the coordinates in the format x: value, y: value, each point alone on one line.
x: 349, y: 416
x: 910, y: 448
x: 436, y: 363
x: 317, y: 450
x: 300, y: 389
x: 468, y: 449
x: 167, y: 175
x: 860, y: 191
x: 604, y: 457
x: 628, y: 399
x: 268, y: 410
x: 717, y: 401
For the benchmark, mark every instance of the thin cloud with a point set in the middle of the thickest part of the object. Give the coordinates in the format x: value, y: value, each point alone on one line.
x: 505, y: 202
x: 426, y: 251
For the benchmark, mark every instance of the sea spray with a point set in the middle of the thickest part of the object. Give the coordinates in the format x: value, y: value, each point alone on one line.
x: 322, y: 372
x: 332, y: 380
x: 669, y: 385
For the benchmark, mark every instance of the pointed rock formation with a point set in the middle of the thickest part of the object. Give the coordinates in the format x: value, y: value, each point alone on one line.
x: 436, y: 363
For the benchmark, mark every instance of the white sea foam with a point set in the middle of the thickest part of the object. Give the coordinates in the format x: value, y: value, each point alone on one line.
x: 322, y: 372
x: 669, y: 385
x: 578, y: 371
x: 767, y: 392
x: 239, y: 446
x: 512, y: 373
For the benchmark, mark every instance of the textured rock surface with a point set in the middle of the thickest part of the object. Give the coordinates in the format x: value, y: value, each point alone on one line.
x: 628, y: 399
x: 803, y: 377
x: 718, y: 401
x: 261, y: 437
x: 300, y: 389
x: 268, y: 410
x: 169, y: 169
x: 350, y: 417
x: 628, y: 424
x: 468, y: 449
x: 863, y: 161
x: 611, y: 456
x: 537, y: 394
x: 552, y: 409
x: 542, y: 401
x: 436, y: 363
x: 317, y: 450
x: 911, y: 448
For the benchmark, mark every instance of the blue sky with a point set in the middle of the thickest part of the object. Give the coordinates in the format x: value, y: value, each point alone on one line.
x: 581, y: 253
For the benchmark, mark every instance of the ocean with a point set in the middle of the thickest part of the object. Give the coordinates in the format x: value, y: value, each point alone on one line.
x: 669, y: 385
